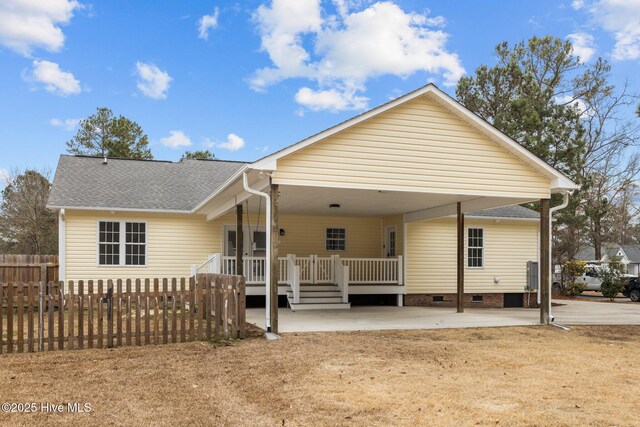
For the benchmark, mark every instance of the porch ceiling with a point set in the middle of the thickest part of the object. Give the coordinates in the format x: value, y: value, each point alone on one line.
x: 302, y: 200
x: 316, y: 201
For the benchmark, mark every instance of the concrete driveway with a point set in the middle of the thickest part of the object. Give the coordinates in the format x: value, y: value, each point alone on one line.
x: 362, y: 318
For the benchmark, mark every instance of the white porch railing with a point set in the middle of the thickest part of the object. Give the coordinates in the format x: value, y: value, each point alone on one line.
x: 374, y: 270
x: 312, y: 269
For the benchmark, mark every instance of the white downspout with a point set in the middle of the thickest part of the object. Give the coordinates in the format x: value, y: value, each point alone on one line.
x: 565, y: 203
x: 267, y: 197
x: 62, y: 246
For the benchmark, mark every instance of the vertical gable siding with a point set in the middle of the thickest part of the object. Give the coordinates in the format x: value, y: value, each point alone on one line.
x: 417, y: 146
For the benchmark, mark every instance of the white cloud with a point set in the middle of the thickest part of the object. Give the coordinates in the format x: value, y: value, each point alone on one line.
x: 577, y: 4
x: 152, y: 81
x: 54, y: 79
x: 575, y: 102
x: 176, y: 139
x: 207, y: 22
x: 332, y: 100
x: 582, y: 46
x: 340, y: 53
x: 29, y: 24
x: 622, y: 19
x: 233, y: 143
x: 66, y: 124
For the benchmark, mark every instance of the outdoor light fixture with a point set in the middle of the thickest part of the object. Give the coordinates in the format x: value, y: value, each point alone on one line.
x: 334, y: 205
x: 282, y: 231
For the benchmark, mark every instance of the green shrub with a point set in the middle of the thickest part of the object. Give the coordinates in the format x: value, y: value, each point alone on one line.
x: 572, y: 270
x: 612, y: 279
x: 573, y: 288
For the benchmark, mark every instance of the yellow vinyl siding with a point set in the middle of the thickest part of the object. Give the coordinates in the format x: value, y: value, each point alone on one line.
x: 431, y: 256
x: 174, y: 243
x: 418, y: 146
x: 305, y: 235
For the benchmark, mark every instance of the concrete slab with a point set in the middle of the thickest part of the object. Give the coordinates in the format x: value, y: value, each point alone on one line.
x: 389, y: 318
x: 580, y: 312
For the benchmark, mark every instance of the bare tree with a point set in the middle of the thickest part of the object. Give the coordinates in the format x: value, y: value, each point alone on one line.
x: 26, y: 225
x: 610, y: 168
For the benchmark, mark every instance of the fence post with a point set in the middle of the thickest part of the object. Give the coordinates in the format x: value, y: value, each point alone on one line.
x: 241, y: 308
x: 110, y: 313
x: 1, y: 312
x: 40, y: 316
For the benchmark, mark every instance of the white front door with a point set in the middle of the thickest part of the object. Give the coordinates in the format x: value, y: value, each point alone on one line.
x: 390, y: 241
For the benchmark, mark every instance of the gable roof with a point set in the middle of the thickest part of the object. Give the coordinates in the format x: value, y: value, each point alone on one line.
x: 136, y: 185
x: 632, y: 252
x: 610, y: 250
x: 515, y: 211
x: 557, y: 179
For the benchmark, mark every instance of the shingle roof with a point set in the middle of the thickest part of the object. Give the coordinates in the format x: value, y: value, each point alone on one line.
x: 588, y: 253
x: 85, y: 182
x: 515, y: 211
x: 633, y: 253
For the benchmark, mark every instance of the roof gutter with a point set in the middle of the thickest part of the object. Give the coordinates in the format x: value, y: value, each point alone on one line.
x: 267, y: 198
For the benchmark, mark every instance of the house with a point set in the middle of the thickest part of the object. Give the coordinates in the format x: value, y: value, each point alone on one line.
x: 628, y: 255
x: 415, y: 198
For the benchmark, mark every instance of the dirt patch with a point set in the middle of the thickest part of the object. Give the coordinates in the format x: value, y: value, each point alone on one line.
x: 512, y: 376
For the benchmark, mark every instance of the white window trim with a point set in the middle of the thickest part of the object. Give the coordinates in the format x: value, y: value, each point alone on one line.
x: 466, y: 246
x: 122, y: 243
x: 345, y: 239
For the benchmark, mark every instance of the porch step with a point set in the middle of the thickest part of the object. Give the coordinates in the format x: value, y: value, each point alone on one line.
x: 318, y: 297
x: 321, y: 306
x: 314, y: 288
x: 314, y: 294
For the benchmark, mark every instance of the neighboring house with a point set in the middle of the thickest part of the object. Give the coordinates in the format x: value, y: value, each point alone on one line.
x: 366, y: 207
x: 628, y: 255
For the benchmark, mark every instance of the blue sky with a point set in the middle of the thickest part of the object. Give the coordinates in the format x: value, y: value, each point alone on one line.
x: 246, y: 78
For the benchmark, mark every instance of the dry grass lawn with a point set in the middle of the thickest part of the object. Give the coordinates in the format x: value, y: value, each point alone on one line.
x: 498, y: 376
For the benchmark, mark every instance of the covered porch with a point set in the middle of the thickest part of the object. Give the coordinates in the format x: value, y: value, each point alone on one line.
x: 316, y: 282
x: 418, y: 158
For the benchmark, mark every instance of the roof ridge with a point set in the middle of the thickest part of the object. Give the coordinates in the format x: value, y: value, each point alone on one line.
x: 86, y: 156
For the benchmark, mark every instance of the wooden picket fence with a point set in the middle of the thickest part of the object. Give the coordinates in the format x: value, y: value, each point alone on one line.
x: 28, y: 268
x: 114, y: 313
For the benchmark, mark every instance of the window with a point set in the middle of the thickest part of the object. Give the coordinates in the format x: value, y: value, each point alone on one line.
x: 475, y: 247
x: 109, y: 243
x: 135, y: 243
x: 122, y: 243
x: 336, y: 239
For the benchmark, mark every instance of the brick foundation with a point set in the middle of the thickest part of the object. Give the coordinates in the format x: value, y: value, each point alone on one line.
x: 480, y: 300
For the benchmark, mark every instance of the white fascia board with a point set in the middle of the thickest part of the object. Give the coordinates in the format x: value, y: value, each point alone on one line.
x: 220, y: 189
x: 107, y: 209
x: 226, y: 206
x: 558, y: 181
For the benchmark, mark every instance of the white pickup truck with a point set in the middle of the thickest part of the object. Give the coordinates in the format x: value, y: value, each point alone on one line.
x: 591, y: 279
